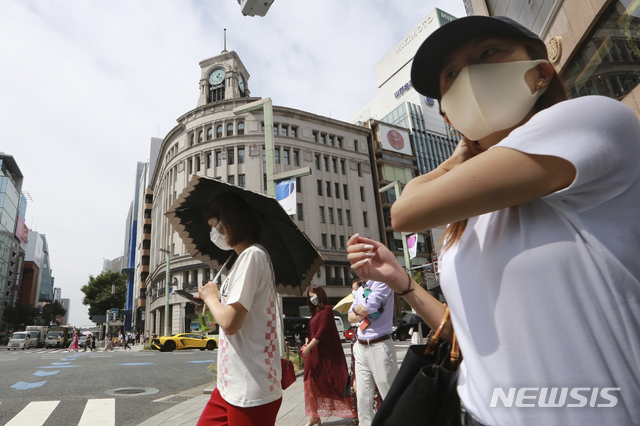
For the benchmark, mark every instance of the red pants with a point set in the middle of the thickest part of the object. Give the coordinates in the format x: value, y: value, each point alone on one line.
x: 219, y: 412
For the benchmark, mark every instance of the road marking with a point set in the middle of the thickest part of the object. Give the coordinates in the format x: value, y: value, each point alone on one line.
x: 25, y: 385
x: 34, y: 414
x: 197, y: 362
x: 9, y: 359
x: 46, y: 373
x: 60, y: 363
x: 146, y: 355
x: 139, y: 363
x: 61, y: 366
x: 99, y: 412
x: 102, y: 356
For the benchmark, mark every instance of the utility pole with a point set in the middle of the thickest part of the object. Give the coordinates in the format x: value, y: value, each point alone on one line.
x: 166, y: 290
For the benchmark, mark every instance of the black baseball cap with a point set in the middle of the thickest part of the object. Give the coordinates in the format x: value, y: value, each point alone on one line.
x: 429, y: 58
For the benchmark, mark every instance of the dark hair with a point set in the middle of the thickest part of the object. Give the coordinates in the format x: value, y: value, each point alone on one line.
x: 358, y: 281
x: 322, y: 299
x: 554, y: 94
x: 239, y: 220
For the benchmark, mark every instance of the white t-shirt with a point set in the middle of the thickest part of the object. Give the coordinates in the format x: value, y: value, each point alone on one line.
x: 249, y: 367
x: 546, y: 294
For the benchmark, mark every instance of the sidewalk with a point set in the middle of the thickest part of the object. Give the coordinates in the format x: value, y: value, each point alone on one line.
x: 291, y: 412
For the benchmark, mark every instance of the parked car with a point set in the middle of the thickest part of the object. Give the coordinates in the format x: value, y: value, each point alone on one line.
x: 184, y: 341
x: 296, y: 330
x: 340, y: 327
x: 402, y: 331
x: 20, y: 340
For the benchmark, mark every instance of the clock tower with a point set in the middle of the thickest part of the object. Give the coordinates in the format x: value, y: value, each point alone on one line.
x: 222, y: 77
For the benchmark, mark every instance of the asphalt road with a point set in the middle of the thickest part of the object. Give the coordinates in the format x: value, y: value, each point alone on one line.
x: 75, y: 378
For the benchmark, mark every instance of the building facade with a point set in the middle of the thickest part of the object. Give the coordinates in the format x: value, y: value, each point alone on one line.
x: 594, y: 45
x: 336, y: 201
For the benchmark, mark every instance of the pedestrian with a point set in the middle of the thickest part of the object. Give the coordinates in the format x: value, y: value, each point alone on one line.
x: 126, y: 341
x: 93, y: 343
x: 248, y: 390
x: 376, y: 364
x: 120, y: 341
x: 87, y: 343
x: 325, y: 368
x: 74, y: 343
x: 540, y: 265
x: 109, y: 345
x: 353, y: 395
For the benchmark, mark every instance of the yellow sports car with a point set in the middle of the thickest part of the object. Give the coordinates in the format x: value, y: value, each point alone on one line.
x: 184, y: 341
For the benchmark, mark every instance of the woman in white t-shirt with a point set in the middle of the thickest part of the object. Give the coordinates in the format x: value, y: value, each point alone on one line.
x: 248, y: 391
x: 540, y: 263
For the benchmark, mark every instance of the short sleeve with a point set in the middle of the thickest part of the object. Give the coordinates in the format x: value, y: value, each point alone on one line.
x: 251, y: 269
x: 598, y: 135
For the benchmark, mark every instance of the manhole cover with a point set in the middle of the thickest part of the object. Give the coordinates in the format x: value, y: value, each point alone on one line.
x: 131, y: 391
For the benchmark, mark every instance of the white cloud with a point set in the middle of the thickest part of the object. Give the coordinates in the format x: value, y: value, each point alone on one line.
x: 84, y: 85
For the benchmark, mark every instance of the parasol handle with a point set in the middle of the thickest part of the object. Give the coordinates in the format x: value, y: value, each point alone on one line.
x: 215, y: 280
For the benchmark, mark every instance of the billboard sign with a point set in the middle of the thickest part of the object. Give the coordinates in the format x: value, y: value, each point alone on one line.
x: 396, y: 140
x: 286, y: 195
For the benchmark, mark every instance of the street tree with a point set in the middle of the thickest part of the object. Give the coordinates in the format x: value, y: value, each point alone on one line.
x: 97, y: 292
x: 20, y: 315
x: 52, y: 312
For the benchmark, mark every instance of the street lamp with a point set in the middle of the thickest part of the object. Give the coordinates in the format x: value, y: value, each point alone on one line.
x: 396, y: 186
x: 166, y: 290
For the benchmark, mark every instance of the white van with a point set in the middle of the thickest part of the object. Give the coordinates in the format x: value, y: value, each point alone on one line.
x: 19, y: 340
x: 340, y: 327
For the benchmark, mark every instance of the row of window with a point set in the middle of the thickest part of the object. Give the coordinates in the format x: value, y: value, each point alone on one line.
x: 219, y: 134
x: 332, y: 241
x: 283, y: 130
x: 325, y: 160
x: 338, y: 215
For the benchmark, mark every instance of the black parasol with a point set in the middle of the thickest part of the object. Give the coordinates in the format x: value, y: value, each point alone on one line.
x: 295, y: 259
x: 412, y: 319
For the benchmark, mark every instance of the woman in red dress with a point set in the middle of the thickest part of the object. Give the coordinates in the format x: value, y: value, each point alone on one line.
x: 325, y: 367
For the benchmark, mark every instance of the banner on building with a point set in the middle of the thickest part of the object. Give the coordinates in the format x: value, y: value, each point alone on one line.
x: 286, y: 195
x: 396, y: 140
x: 412, y: 245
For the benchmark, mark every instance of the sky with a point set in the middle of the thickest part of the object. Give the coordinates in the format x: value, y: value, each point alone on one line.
x: 84, y: 85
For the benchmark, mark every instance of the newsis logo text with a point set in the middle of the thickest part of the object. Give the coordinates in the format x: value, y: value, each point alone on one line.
x: 554, y: 397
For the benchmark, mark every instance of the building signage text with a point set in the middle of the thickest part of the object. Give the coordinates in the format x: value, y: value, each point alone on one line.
x: 403, y: 89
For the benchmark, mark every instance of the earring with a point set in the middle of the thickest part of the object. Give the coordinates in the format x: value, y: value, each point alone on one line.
x: 540, y: 83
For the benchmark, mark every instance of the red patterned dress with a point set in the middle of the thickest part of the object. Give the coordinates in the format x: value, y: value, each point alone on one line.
x: 325, y: 370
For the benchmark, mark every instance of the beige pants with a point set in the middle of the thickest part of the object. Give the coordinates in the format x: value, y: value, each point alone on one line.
x: 376, y: 365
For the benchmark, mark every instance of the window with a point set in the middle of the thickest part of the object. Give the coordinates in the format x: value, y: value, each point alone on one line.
x: 343, y: 169
x: 230, y: 159
x: 328, y: 187
x: 240, y: 155
x: 219, y: 159
x: 298, y: 185
x: 201, y: 136
x: 299, y: 211
x: 241, y: 128
x: 242, y: 181
x: 191, y: 139
x: 326, y: 163
x: 320, y: 188
x: 296, y: 158
x: 264, y: 181
x: 334, y: 165
x: 348, y: 216
x: 264, y: 155
x: 362, y: 193
x: 219, y: 131
x: 277, y: 154
x: 210, y: 133
x: 330, y: 209
x: 315, y: 136
x: 197, y: 160
x: 342, y: 242
x: 321, y: 212
x: 209, y: 160
x: 317, y: 162
x: 230, y: 129
x: 294, y: 132
x: 285, y: 153
x: 345, y: 192
x: 263, y: 128
x: 339, y: 212
x: 189, y: 166
x: 331, y: 140
x: 339, y: 142
x: 355, y: 145
x: 337, y: 188
x: 275, y: 129
x: 324, y: 241
x: 333, y: 242
x: 231, y: 179
x: 323, y: 138
x: 285, y: 130
x: 364, y: 217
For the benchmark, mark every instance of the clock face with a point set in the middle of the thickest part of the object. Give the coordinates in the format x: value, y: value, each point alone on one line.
x: 241, y: 83
x: 216, y: 77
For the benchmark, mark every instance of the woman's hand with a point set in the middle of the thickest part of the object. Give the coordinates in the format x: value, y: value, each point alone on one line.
x: 464, y: 150
x: 208, y: 292
x: 213, y: 222
x: 305, y: 351
x: 372, y: 260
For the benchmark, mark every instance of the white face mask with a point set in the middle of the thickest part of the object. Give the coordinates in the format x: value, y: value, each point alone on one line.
x: 218, y: 239
x: 486, y: 98
x: 353, y: 293
x: 314, y: 300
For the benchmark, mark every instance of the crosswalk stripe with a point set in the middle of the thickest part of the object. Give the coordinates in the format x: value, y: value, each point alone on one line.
x: 34, y: 414
x: 99, y: 412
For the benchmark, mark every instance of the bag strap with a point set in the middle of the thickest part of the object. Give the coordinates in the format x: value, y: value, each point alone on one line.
x: 454, y: 355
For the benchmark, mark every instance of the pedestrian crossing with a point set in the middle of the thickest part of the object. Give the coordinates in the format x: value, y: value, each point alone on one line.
x: 97, y: 412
